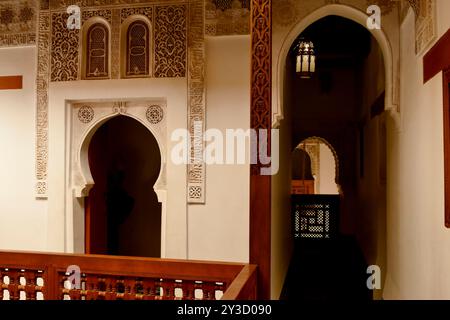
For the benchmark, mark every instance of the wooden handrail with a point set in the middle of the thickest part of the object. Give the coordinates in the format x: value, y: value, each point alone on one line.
x: 117, y: 277
x: 244, y: 286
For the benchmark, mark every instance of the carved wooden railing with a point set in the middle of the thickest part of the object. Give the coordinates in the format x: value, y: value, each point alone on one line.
x: 43, y: 276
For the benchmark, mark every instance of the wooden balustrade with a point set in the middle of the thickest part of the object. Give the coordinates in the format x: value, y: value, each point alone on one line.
x: 43, y: 276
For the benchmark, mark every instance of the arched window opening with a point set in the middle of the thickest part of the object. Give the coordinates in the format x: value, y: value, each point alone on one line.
x: 97, y: 52
x: 137, y: 50
x: 317, y: 161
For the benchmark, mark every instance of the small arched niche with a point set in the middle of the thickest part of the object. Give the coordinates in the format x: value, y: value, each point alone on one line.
x: 96, y: 49
x: 136, y: 47
x: 323, y: 162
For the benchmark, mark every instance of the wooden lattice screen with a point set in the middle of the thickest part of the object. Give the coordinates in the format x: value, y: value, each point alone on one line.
x: 315, y: 216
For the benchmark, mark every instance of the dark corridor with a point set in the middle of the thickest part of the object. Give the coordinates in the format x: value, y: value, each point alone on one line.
x: 326, y: 271
x: 326, y: 266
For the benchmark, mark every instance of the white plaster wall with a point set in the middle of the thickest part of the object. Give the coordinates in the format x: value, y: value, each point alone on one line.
x: 60, y: 228
x: 327, y: 171
x: 22, y: 217
x: 418, y: 242
x: 219, y: 229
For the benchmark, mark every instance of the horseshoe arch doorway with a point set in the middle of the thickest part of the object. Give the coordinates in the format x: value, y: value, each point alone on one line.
x: 122, y: 212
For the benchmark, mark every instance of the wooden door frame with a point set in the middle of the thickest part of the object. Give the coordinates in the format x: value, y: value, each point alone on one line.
x: 446, y: 114
x: 436, y: 60
x: 261, y: 118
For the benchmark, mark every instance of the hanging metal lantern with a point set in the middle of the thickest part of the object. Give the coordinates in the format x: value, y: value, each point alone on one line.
x: 306, y: 59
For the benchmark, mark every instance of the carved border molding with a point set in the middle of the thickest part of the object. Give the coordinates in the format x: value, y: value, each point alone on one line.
x: 196, y: 101
x: 145, y: 11
x: 115, y: 43
x: 261, y: 80
x: 63, y: 4
x: 261, y: 118
x: 50, y: 67
x: 42, y: 82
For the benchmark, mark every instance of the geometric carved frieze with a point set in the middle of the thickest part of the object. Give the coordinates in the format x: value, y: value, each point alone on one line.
x: 170, y: 41
x: 63, y: 4
x: 144, y: 11
x: 105, y: 14
x: 227, y: 17
x: 18, y: 22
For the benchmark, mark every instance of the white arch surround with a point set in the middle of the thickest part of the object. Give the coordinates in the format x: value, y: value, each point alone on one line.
x: 344, y: 11
x: 79, y: 135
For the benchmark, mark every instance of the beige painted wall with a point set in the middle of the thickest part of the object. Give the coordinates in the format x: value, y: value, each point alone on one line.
x: 22, y: 217
x: 418, y: 242
x: 219, y: 230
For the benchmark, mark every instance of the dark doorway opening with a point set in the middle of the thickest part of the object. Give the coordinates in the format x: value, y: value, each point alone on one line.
x: 341, y: 101
x: 123, y: 215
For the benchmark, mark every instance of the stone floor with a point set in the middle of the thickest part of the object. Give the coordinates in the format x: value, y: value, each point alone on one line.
x: 326, y: 271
